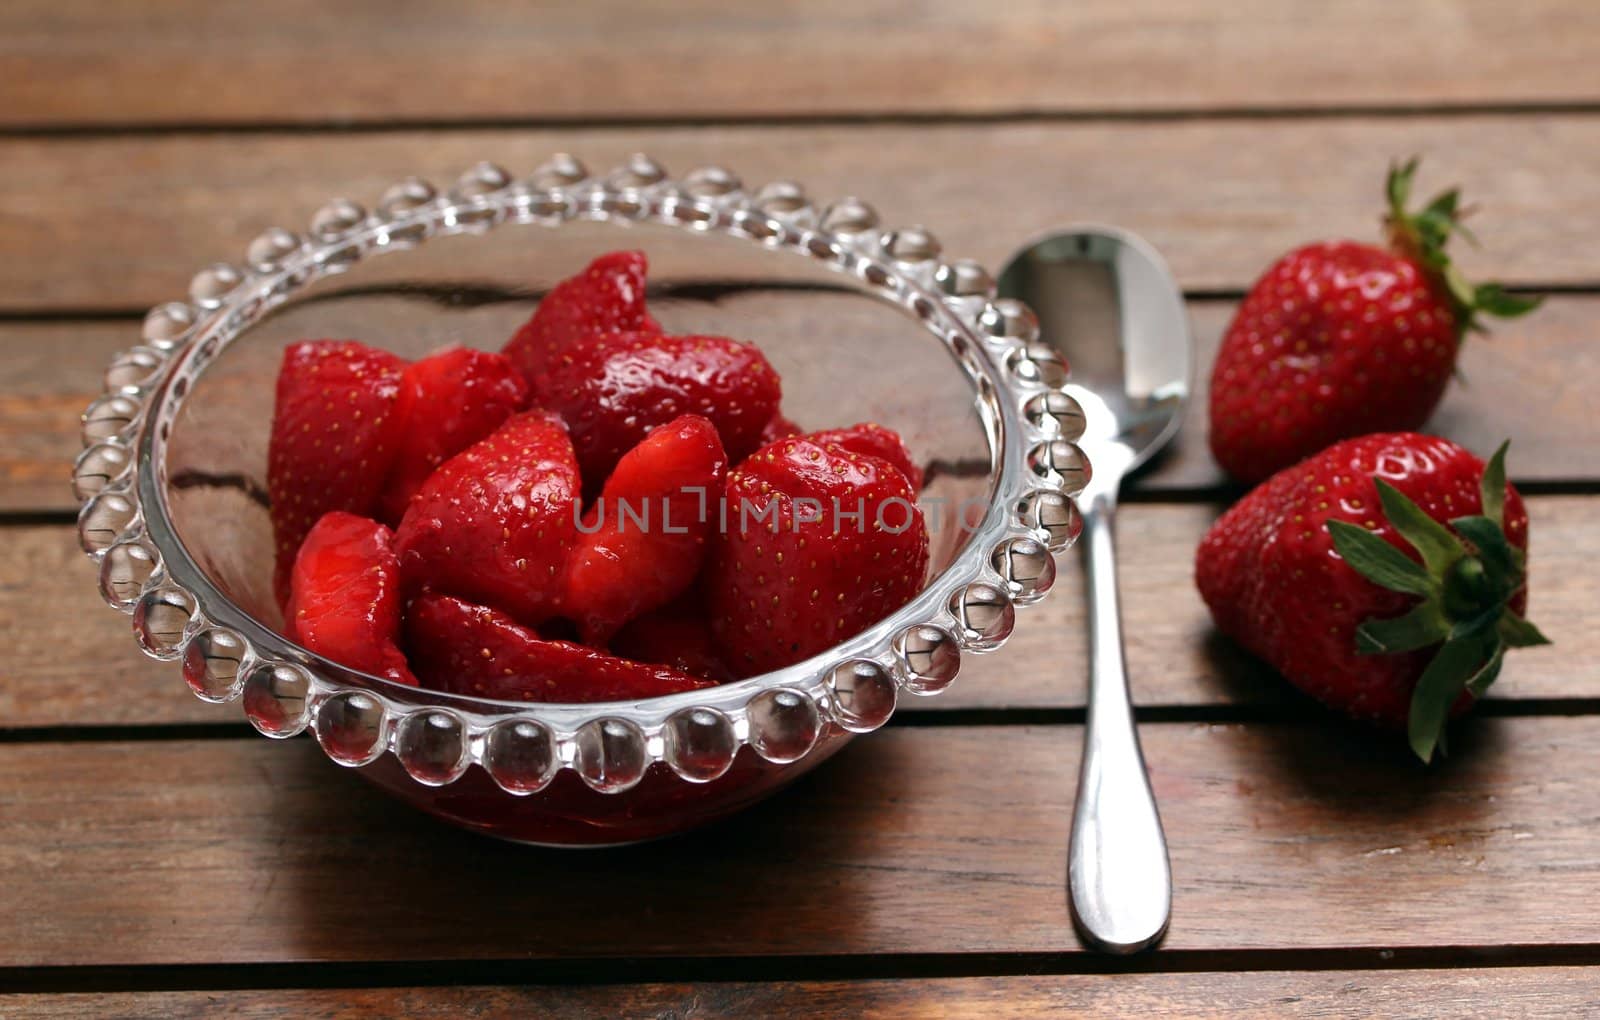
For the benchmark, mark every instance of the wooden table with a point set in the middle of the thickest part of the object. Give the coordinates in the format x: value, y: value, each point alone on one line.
x: 158, y: 857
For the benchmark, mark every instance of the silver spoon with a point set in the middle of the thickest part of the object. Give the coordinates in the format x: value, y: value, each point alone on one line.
x: 1107, y: 301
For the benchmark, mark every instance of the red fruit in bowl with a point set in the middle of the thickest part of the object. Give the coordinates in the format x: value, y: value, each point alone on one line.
x: 1339, y: 339
x: 645, y: 538
x: 495, y: 523
x: 448, y: 401
x: 676, y: 635
x: 779, y: 428
x: 477, y: 651
x: 1385, y: 577
x: 334, y: 434
x: 607, y: 297
x: 614, y: 389
x: 820, y: 543
x: 344, y: 596
x: 874, y: 440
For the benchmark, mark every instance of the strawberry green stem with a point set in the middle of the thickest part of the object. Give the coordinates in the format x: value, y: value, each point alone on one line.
x: 1422, y: 236
x: 1465, y: 581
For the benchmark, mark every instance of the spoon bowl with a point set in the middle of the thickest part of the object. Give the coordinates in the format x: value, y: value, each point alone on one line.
x: 1106, y: 300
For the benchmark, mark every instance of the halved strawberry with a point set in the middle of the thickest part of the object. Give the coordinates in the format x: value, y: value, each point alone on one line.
x: 477, y: 651
x: 644, y: 539
x: 820, y: 543
x: 607, y: 297
x: 344, y: 596
x: 676, y: 635
x: 334, y: 435
x: 495, y: 523
x: 448, y: 401
x: 874, y: 440
x: 613, y: 390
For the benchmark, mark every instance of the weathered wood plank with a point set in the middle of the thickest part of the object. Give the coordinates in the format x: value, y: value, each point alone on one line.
x: 123, y: 222
x: 1531, y: 381
x: 1532, y: 992
x: 300, y: 62
x: 71, y: 661
x: 929, y: 840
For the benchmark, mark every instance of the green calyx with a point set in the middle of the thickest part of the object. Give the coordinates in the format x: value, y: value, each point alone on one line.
x: 1423, y: 235
x: 1465, y: 583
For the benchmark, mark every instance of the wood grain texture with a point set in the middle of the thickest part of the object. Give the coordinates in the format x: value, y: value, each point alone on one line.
x: 935, y: 840
x: 124, y: 222
x: 303, y: 62
x: 1531, y: 381
x: 77, y: 664
x: 1528, y: 992
x: 1520, y: 992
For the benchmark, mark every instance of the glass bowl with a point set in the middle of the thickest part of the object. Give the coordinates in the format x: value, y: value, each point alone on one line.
x: 862, y: 322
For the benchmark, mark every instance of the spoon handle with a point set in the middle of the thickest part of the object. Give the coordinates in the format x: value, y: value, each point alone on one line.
x: 1118, y: 874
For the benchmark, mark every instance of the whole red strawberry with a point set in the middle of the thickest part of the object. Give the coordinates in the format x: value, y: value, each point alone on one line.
x: 1385, y: 577
x: 334, y: 434
x: 496, y: 522
x: 607, y: 297
x: 820, y: 542
x: 344, y: 596
x: 1339, y: 339
x: 474, y: 650
x: 612, y: 390
x: 448, y: 401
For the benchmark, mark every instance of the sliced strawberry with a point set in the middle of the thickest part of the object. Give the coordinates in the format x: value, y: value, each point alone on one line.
x: 874, y: 440
x: 678, y: 636
x: 344, y: 596
x: 613, y: 390
x: 334, y: 435
x: 645, y: 538
x: 779, y: 428
x: 607, y: 297
x: 820, y: 543
x: 496, y: 522
x: 448, y: 401
x: 477, y: 651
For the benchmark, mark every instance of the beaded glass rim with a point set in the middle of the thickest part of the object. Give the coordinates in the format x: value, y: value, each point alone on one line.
x: 178, y: 614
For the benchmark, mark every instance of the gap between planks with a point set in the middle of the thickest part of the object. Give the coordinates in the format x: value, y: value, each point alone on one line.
x: 1391, y: 110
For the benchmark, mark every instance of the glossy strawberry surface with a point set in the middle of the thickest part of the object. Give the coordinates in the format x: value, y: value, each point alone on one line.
x: 645, y: 538
x: 612, y: 391
x: 606, y: 297
x: 448, y: 401
x: 1270, y: 574
x: 821, y: 542
x: 335, y: 432
x: 344, y: 596
x: 873, y: 440
x: 495, y: 523
x: 468, y: 649
x: 1335, y: 340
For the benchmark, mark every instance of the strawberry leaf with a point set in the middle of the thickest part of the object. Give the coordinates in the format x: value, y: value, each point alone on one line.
x: 1455, y: 663
x: 1439, y: 548
x: 1489, y: 673
x: 1492, y: 299
x: 1378, y: 561
x: 1519, y: 633
x: 1398, y: 185
x: 1425, y: 625
x: 1423, y: 236
x: 1492, y: 486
